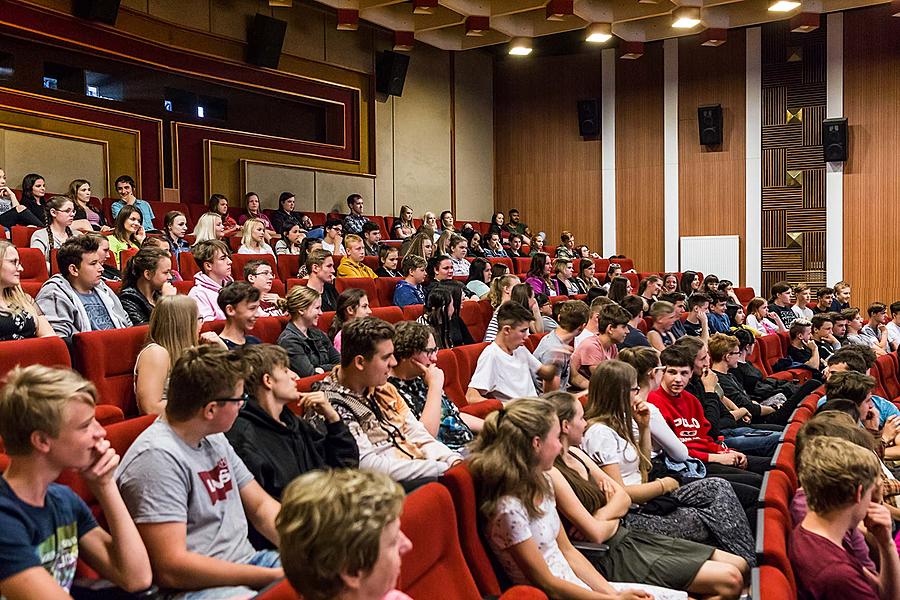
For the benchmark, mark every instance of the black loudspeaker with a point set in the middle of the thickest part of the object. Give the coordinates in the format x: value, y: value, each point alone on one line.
x: 834, y: 140
x: 264, y: 40
x: 709, y: 119
x: 390, y: 72
x: 104, y: 11
x: 589, y: 118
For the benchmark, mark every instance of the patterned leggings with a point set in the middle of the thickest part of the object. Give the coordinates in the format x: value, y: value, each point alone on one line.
x: 709, y: 513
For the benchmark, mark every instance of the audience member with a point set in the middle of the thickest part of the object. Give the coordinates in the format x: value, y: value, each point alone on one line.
x: 332, y: 240
x: 780, y: 303
x: 174, y: 231
x: 285, y: 213
x: 352, y: 304
x: 76, y: 299
x: 390, y: 438
x: 147, y: 278
x: 823, y: 335
x: 661, y: 334
x: 690, y: 283
x: 352, y: 264
x: 475, y: 249
x: 446, y: 222
x: 309, y: 348
x: 854, y: 326
x: 557, y: 346
x: 619, y: 287
x: 214, y: 261
x: 586, y: 280
x: 514, y: 249
x: 240, y: 303
x: 592, y: 326
x: 253, y: 238
x: 479, y: 278
x: 875, y: 333
x: 409, y: 289
x: 545, y: 307
x: 710, y: 284
x: 371, y: 235
x: 252, y: 210
x: 841, y: 299
x: 634, y: 306
x: 459, y: 248
x: 824, y: 296
x: 403, y: 226
x: 20, y: 316
x: 47, y: 425
x: 218, y: 205
x: 803, y: 296
x: 190, y: 494
x: 718, y: 316
x: 260, y: 275
x: 566, y: 249
x: 515, y: 226
x: 320, y: 266
x: 60, y: 214
x: 442, y: 245
x: 354, y: 222
x: 128, y: 234
x: 439, y: 269
x: 679, y: 301
x: 538, y: 276
x: 13, y: 212
x: 420, y: 244
x: 670, y: 283
x: 649, y: 288
x: 501, y: 291
x: 495, y: 246
x: 761, y: 319
x: 612, y: 327
x: 564, y: 278
x: 291, y: 241
x: 309, y: 244
x: 802, y: 349
x: 893, y: 328
x: 127, y: 188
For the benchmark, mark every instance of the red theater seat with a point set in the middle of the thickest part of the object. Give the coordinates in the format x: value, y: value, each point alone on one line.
x: 784, y: 462
x: 268, y: 329
x: 365, y: 284
x: 238, y: 261
x: 160, y: 209
x: 777, y: 491
x: 772, y: 584
x: 384, y: 290
x: 187, y: 266
x: 34, y: 265
x: 391, y: 314
x: 107, y: 358
x: 50, y: 351
x: 522, y: 265
x: 288, y: 266
x: 886, y: 368
x: 411, y: 312
x: 21, y: 235
x: 744, y: 294
x: 473, y: 316
x: 324, y: 322
x: 467, y: 359
x: 453, y: 386
x: 773, y: 531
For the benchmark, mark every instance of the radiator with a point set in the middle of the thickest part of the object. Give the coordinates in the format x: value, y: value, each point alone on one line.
x: 712, y: 254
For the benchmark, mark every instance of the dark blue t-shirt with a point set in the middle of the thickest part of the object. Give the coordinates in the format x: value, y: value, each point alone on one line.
x: 44, y: 536
x: 249, y: 340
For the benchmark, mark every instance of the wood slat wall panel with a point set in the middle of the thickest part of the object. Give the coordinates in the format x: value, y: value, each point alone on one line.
x: 639, y: 159
x: 871, y: 182
x: 542, y: 166
x: 711, y: 181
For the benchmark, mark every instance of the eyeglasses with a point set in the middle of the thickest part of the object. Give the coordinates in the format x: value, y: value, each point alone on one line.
x: 636, y: 389
x: 734, y: 353
x: 266, y: 273
x: 430, y: 351
x: 243, y: 398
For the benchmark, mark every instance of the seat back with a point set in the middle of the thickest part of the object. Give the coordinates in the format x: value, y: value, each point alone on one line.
x: 744, y: 294
x: 777, y: 492
x: 886, y: 367
x: 769, y: 351
x: 436, y: 565
x: 473, y: 317
x: 160, y: 209
x: 384, y: 290
x: 773, y: 531
x: 771, y: 584
x: 366, y: 284
x: 391, y: 314
x: 34, y: 265
x: 467, y: 359
x: 446, y: 362
x: 238, y: 261
x: 411, y: 312
x: 50, y: 351
x: 281, y: 590
x: 288, y: 265
x: 107, y: 358
x: 187, y: 266
x: 268, y: 329
x: 783, y: 460
x: 21, y: 235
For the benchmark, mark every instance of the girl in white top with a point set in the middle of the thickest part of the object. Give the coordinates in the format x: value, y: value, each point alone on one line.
x: 60, y: 213
x: 509, y: 465
x: 760, y: 319
x: 209, y: 227
x: 253, y: 238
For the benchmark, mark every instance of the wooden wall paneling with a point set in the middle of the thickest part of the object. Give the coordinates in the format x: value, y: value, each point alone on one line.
x: 542, y: 166
x: 871, y: 183
x: 711, y: 181
x: 793, y: 186
x: 639, y: 159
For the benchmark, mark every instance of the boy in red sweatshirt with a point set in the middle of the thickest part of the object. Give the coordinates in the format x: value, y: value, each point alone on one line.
x: 684, y: 415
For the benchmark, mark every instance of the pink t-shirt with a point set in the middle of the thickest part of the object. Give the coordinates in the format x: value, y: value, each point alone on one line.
x: 825, y: 571
x: 591, y: 352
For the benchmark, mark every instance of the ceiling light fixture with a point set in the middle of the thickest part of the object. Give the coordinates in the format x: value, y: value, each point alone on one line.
x: 783, y: 6
x: 477, y: 25
x: 520, y: 46
x: 557, y: 10
x: 805, y: 22
x: 597, y: 33
x: 685, y: 17
x: 424, y: 7
x: 347, y: 19
x: 713, y: 37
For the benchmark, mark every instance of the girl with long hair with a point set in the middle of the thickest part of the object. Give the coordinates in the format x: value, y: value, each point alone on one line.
x: 174, y: 230
x: 174, y: 327
x: 209, y: 227
x: 88, y: 214
x: 291, y: 241
x: 496, y: 226
x: 538, y: 276
x: 403, y: 226
x: 760, y: 319
x: 689, y: 283
x: 479, y: 278
x: 146, y: 278
x: 352, y: 304
x: 34, y: 189
x: 420, y: 244
x: 443, y: 241
x: 660, y: 335
x: 309, y: 244
x: 586, y: 279
x: 509, y: 464
x: 285, y: 214
x: 388, y: 262
x: 438, y: 311
x: 13, y: 212
x: 310, y: 350
x: 593, y: 503
x: 670, y: 284
x: 619, y: 439
x: 253, y: 238
x: 60, y: 213
x: 620, y: 287
x: 524, y: 295
x: 128, y: 233
x: 439, y: 268
x: 253, y: 210
x: 475, y: 248
x: 501, y: 291
x: 20, y: 316
x: 218, y: 204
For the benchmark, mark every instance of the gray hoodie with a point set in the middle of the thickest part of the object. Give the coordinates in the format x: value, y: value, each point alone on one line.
x: 63, y: 308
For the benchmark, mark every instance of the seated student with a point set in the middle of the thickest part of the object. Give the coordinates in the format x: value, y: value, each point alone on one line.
x: 354, y: 221
x: 126, y: 188
x: 253, y: 238
x: 174, y: 230
x: 34, y: 192
x: 390, y: 438
x: 474, y: 237
x: 501, y: 291
x: 442, y: 314
x: 260, y: 275
x: 439, y: 269
x: 718, y: 315
x: 352, y: 304
x: 190, y: 494
x: 371, y: 236
x: 649, y: 287
x: 13, y: 212
x: 664, y: 317
x: 128, y: 233
x: 802, y: 350
x: 47, y: 425
x: 275, y: 444
x: 585, y: 279
x: 353, y: 265
x: 353, y: 517
x: 388, y: 262
x: 458, y: 249
x: 208, y: 227
x: 557, y: 346
x: 285, y: 213
x: 841, y: 299
x: 596, y: 515
x: 761, y: 319
x: 214, y: 261
x: 403, y: 228
x: 697, y: 322
x: 710, y: 284
x: 620, y: 287
x: 803, y: 296
x: 509, y: 466
x: 538, y: 276
x: 847, y: 379
x: 824, y: 296
x: 218, y: 205
x: 252, y: 210
x: 875, y: 333
x: 320, y: 266
x: 679, y: 301
x: 516, y: 227
x: 479, y: 279
x: 409, y: 289
x: 612, y: 327
x: 309, y: 244
x: 291, y: 241
x: 146, y: 279
x: 738, y: 319
x: 420, y: 382
x: 634, y: 306
x: 564, y: 278
x: 506, y: 369
x: 309, y: 348
x: 727, y: 287
x: 545, y: 307
x: 854, y: 327
x: 495, y: 246
x: 60, y: 213
x: 841, y: 482
x: 76, y: 300
x: 566, y: 249
x: 823, y: 335
x: 514, y: 248
x: 893, y: 328
x: 333, y: 238
x: 239, y: 301
x: 20, y: 316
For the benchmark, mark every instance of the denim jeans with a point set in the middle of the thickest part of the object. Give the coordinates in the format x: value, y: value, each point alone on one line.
x: 263, y: 558
x: 758, y: 445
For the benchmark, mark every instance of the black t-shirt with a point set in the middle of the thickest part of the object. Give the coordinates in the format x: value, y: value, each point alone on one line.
x: 695, y: 330
x: 18, y: 326
x: 634, y: 338
x: 785, y: 313
x: 799, y: 355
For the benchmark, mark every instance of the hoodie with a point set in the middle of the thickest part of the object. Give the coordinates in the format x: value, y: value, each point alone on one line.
x: 206, y: 294
x: 63, y: 308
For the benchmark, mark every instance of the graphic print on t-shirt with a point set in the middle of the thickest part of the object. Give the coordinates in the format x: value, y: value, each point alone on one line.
x: 58, y: 554
x: 689, y: 427
x: 217, y: 481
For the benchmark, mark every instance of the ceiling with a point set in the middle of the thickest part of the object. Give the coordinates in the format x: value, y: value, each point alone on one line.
x: 632, y: 20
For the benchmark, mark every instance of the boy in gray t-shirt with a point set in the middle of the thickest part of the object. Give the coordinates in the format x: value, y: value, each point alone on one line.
x: 191, y: 495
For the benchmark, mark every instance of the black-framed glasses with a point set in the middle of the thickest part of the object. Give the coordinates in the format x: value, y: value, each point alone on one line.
x: 734, y: 353
x: 242, y: 398
x: 430, y: 351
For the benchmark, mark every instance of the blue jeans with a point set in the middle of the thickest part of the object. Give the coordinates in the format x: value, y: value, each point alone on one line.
x: 263, y: 558
x: 757, y: 445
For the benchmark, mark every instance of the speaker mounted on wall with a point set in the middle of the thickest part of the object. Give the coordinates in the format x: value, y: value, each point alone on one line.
x: 104, y: 11
x: 834, y: 140
x: 390, y: 72
x: 589, y: 118
x: 264, y: 41
x: 709, y: 119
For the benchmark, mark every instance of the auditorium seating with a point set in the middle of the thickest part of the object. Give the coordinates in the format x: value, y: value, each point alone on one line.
x: 50, y: 351
x: 238, y: 261
x: 772, y: 533
x: 107, y: 359
x: 384, y: 290
x: 365, y: 284
x: 34, y: 265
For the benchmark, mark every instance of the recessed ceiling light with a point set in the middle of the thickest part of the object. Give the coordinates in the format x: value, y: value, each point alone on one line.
x: 783, y: 6
x: 686, y: 17
x: 597, y: 33
x: 520, y: 46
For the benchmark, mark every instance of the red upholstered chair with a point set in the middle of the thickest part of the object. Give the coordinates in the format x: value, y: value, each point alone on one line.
x: 886, y: 368
x: 4, y: 461
x: 187, y: 266
x: 783, y: 460
x: 50, y: 351
x: 371, y: 262
x: 107, y: 414
x: 626, y: 263
x: 467, y: 359
x: 34, y: 265
x: 773, y: 530
x: 305, y: 384
x: 365, y: 284
x: 324, y: 322
x: 107, y: 358
x: 633, y: 278
x: 282, y: 590
x: 161, y: 208
x: 411, y: 312
x: 292, y: 282
x: 268, y: 329
x: 473, y: 316
x: 744, y: 294
x: 391, y: 314
x: 503, y: 261
x: 195, y: 211
x: 777, y: 491
x: 453, y: 387
x: 31, y: 287
x: 533, y: 340
x: 522, y: 265
x: 384, y: 290
x: 288, y: 266
x: 184, y: 287
x: 238, y: 261
x: 770, y: 583
x: 234, y: 242
x: 21, y: 235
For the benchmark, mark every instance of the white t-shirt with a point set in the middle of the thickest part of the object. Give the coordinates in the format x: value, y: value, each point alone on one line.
x: 583, y: 336
x: 331, y: 248
x: 802, y: 313
x: 607, y: 447
x: 505, y: 376
x: 893, y: 334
